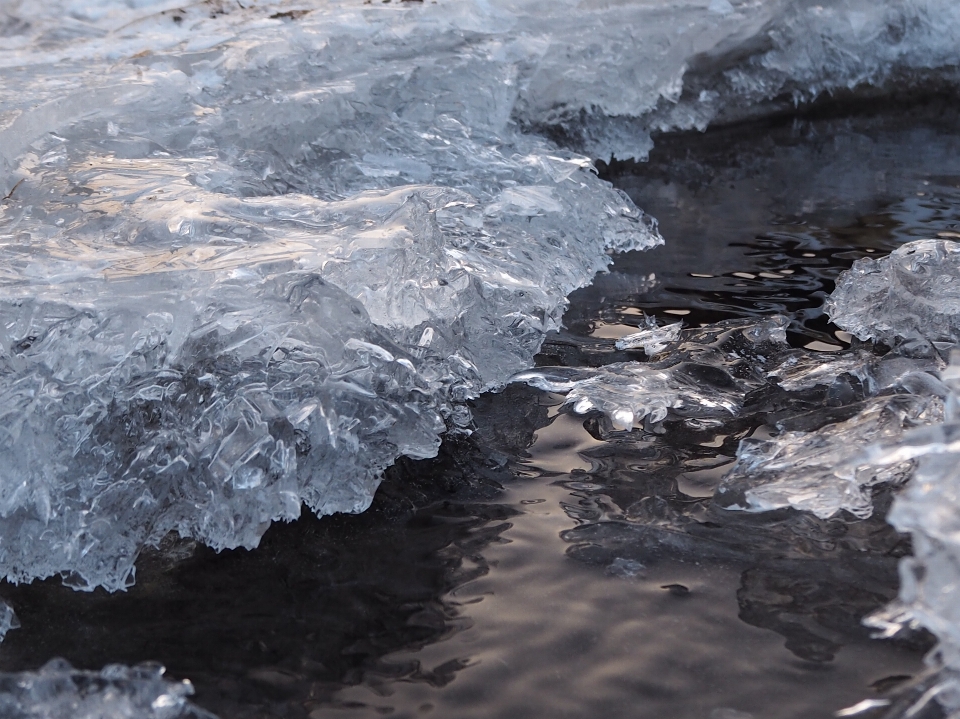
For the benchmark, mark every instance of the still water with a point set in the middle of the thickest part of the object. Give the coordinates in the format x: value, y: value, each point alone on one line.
x: 535, y: 569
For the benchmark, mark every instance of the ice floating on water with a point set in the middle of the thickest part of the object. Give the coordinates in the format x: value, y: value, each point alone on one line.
x: 58, y: 691
x: 707, y: 374
x: 249, y: 256
x: 652, y: 340
x: 912, y: 294
x: 820, y: 471
x: 704, y: 374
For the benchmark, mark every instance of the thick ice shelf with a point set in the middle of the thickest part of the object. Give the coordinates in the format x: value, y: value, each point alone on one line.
x: 241, y: 271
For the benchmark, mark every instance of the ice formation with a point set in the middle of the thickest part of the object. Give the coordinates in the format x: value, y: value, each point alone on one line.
x: 708, y: 374
x: 651, y: 340
x: 243, y: 272
x: 908, y: 300
x: 817, y: 471
x: 929, y: 509
x: 250, y: 255
x: 705, y: 373
x: 913, y: 294
x: 8, y: 619
x: 58, y: 691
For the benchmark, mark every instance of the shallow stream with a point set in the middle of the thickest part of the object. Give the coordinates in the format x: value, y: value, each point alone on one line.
x: 535, y: 568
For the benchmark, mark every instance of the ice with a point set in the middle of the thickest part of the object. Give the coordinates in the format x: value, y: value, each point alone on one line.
x: 929, y: 509
x: 904, y: 300
x: 709, y: 375
x: 250, y: 256
x: 703, y: 374
x: 8, y: 619
x: 816, y: 471
x: 652, y: 340
x: 58, y: 691
x: 819, y: 470
x: 601, y: 75
x: 667, y: 66
x: 913, y: 294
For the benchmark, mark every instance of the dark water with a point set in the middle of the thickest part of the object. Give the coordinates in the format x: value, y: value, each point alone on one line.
x: 545, y: 567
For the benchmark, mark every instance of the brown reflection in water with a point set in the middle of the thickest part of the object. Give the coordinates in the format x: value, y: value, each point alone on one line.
x: 554, y: 636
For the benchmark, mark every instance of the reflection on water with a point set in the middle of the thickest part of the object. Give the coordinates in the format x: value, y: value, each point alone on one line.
x: 590, y: 585
x: 582, y: 615
x: 548, y: 566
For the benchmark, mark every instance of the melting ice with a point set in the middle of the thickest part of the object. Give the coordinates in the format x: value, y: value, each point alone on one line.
x: 250, y: 256
x: 902, y: 406
x: 116, y: 692
x: 243, y: 272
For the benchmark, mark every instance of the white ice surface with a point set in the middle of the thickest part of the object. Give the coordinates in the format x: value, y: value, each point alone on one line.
x: 248, y: 257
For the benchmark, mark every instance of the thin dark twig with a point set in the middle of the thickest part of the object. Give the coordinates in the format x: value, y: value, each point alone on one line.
x: 13, y: 189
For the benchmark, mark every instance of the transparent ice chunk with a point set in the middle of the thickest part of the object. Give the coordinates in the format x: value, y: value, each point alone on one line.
x: 651, y: 340
x: 704, y: 374
x: 817, y: 471
x: 58, y: 691
x: 929, y: 509
x: 801, y: 370
x: 912, y: 294
x: 8, y: 619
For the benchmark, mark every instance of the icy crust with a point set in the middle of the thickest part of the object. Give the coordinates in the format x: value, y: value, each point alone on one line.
x: 913, y: 294
x: 58, y: 691
x: 702, y: 374
x: 250, y: 256
x: 668, y: 66
x: 721, y: 374
x: 815, y: 472
x: 604, y: 75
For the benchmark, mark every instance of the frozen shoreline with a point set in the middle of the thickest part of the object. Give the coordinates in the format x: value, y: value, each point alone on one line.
x: 244, y: 271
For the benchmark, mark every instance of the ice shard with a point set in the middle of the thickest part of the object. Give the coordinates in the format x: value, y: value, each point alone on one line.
x: 912, y: 295
x: 651, y: 340
x: 57, y: 691
x: 702, y: 374
x: 816, y: 471
x: 929, y: 509
x: 250, y: 255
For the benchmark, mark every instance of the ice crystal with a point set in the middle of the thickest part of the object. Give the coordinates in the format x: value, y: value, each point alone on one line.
x: 58, y: 691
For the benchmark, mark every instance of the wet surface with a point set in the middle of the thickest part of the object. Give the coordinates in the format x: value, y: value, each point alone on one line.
x: 762, y: 218
x: 547, y: 566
